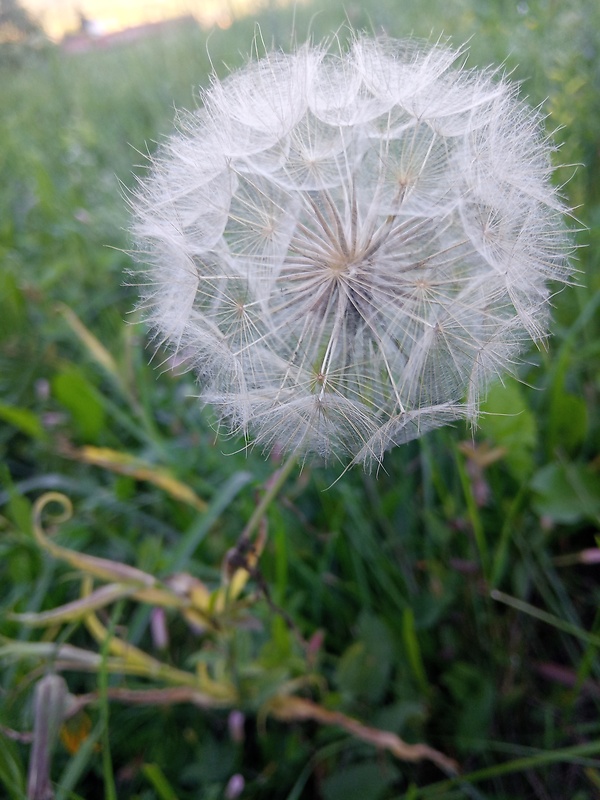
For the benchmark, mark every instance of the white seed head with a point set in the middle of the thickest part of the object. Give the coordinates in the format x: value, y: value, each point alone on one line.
x: 348, y: 247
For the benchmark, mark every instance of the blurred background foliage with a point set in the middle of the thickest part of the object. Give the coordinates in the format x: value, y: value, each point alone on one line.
x: 21, y: 36
x: 452, y: 598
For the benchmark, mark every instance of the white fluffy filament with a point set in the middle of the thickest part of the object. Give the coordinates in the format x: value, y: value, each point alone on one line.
x: 349, y: 247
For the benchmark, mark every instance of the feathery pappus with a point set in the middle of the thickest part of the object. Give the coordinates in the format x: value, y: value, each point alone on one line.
x: 349, y: 246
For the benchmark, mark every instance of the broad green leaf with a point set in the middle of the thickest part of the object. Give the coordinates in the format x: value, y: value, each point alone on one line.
x: 351, y: 668
x: 365, y: 666
x: 74, y: 391
x: 278, y: 650
x: 23, y: 419
x: 568, y: 422
x: 566, y: 493
x: 509, y: 423
x: 18, y: 507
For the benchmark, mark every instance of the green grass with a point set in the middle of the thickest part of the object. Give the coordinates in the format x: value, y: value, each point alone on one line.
x: 471, y: 627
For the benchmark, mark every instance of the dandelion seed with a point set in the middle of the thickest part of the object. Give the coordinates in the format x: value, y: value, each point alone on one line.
x: 349, y: 247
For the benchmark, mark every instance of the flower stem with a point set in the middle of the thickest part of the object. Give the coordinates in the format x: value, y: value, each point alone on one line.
x: 274, y: 486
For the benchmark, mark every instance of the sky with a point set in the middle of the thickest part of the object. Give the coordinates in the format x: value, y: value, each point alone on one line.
x: 61, y: 16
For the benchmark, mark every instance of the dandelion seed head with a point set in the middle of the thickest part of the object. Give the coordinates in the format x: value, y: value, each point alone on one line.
x: 348, y: 247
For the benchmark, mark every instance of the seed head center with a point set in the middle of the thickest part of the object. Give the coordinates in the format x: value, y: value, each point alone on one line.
x: 342, y: 264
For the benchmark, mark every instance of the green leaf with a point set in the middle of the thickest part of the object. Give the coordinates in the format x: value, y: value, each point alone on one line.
x: 12, y: 305
x: 23, y: 419
x: 566, y: 493
x: 78, y: 764
x: 18, y: 507
x: 12, y: 775
x: 359, y: 781
x: 157, y: 778
x: 277, y: 651
x: 73, y: 390
x: 509, y: 423
x: 568, y: 421
x: 411, y: 642
x: 474, y: 693
x: 364, y: 668
x: 351, y: 669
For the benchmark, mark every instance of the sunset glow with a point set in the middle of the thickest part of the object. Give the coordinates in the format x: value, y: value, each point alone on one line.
x: 61, y: 17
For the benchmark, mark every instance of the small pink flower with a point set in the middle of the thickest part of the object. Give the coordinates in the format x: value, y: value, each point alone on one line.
x: 235, y: 786
x: 158, y: 628
x: 235, y: 723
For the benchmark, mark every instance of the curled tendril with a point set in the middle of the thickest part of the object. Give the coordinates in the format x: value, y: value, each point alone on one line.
x: 59, y: 518
x: 45, y: 500
x: 103, y: 568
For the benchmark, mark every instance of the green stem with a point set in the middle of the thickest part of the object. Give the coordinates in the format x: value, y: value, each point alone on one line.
x: 568, y: 755
x: 277, y: 481
x: 544, y: 616
x: 110, y: 791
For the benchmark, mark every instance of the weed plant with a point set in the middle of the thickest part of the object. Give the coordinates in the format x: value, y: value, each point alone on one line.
x: 451, y: 599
